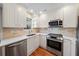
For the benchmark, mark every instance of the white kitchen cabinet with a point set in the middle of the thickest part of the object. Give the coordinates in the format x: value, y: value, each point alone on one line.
x: 32, y: 44
x: 40, y: 21
x: 43, y: 21
x: 14, y: 15
x: 59, y: 14
x: 36, y: 43
x: 70, y: 16
x: 67, y: 47
x: 20, y: 16
x: 43, y: 42
x: 8, y: 15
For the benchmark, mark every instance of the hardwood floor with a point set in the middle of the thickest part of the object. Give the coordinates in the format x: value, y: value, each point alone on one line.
x: 42, y: 52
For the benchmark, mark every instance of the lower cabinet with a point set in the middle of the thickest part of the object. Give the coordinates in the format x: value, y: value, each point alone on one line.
x: 69, y: 47
x: 22, y: 48
x: 25, y: 47
x: 32, y: 44
x: 36, y: 41
x: 43, y: 42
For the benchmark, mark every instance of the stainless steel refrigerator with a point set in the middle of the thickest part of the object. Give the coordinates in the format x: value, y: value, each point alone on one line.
x: 77, y: 41
x: 0, y: 24
x: 1, y: 29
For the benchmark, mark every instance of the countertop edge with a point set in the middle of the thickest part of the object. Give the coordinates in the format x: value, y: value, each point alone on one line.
x: 23, y: 37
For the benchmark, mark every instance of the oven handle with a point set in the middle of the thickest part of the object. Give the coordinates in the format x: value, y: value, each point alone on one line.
x: 55, y: 40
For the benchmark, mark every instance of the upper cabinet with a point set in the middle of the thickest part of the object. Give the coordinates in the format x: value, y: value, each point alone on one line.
x: 43, y: 21
x: 59, y: 14
x: 40, y: 21
x: 70, y: 16
x: 14, y: 15
x: 8, y: 15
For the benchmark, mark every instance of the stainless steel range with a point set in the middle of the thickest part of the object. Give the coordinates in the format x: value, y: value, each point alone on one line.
x: 55, y: 43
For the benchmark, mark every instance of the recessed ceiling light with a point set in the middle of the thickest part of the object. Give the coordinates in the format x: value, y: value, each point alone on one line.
x: 31, y: 10
x: 41, y: 12
x: 19, y: 8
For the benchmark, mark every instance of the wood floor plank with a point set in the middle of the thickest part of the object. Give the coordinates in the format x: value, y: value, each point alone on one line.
x: 42, y: 52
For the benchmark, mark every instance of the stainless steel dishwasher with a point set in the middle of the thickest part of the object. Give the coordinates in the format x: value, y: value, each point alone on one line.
x: 16, y: 49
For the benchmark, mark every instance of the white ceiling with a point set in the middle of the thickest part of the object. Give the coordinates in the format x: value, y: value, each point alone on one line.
x: 45, y: 7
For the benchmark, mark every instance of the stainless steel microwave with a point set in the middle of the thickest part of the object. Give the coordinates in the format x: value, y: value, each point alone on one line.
x: 55, y: 23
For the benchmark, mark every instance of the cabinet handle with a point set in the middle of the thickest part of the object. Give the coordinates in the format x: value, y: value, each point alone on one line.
x: 15, y: 44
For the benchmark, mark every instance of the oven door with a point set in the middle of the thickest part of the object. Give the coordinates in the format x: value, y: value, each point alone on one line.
x: 55, y: 47
x: 54, y: 44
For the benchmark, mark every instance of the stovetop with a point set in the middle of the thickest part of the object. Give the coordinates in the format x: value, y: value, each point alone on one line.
x: 55, y: 36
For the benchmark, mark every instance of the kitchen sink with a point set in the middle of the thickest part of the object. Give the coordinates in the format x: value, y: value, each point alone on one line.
x: 30, y: 34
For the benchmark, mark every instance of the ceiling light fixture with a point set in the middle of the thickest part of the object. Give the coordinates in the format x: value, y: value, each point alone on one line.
x: 41, y: 12
x: 31, y: 10
x: 19, y: 8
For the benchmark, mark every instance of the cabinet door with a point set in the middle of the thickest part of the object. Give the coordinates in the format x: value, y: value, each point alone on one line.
x: 36, y: 43
x: 20, y: 16
x: 43, y: 42
x: 70, y: 16
x: 43, y: 21
x: 67, y: 47
x: 30, y: 45
x: 14, y: 15
x: 8, y: 15
x: 59, y: 14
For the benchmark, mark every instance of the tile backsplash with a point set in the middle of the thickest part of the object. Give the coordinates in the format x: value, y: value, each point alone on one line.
x: 13, y: 32
x: 71, y: 32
